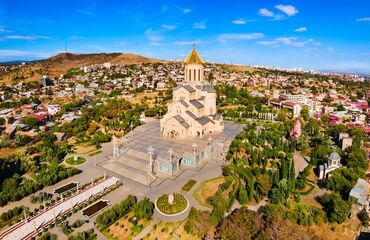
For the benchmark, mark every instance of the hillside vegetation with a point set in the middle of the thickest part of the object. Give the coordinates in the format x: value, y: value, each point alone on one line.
x: 59, y: 64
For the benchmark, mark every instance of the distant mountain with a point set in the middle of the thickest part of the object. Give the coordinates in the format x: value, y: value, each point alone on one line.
x: 13, y: 62
x: 59, y: 64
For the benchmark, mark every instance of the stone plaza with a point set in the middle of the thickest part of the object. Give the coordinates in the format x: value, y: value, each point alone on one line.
x: 147, y: 157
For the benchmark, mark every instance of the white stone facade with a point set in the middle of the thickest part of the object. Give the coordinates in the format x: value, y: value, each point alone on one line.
x: 193, y: 110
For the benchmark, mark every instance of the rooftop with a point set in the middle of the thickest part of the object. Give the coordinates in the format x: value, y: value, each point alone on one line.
x: 193, y: 58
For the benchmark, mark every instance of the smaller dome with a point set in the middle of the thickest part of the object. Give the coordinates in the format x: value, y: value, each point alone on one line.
x: 334, y: 156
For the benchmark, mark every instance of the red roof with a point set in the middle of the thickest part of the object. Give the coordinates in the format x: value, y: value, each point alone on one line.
x: 39, y: 117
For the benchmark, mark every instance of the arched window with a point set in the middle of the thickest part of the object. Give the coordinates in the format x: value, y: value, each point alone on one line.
x: 189, y: 75
x: 195, y: 78
x: 199, y: 75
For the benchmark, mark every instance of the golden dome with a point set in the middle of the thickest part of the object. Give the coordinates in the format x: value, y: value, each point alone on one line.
x: 193, y: 58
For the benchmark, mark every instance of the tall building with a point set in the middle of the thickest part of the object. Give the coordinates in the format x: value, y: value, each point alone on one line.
x: 192, y: 112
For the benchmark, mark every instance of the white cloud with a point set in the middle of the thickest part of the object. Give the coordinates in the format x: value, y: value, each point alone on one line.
x: 152, y: 35
x: 239, y: 36
x: 168, y: 27
x: 75, y: 37
x: 364, y: 19
x: 330, y: 49
x: 267, y: 43
x: 287, y: 9
x: 186, y: 10
x: 164, y: 8
x: 155, y: 44
x: 86, y: 12
x: 184, y: 43
x: 239, y: 21
x: 301, y: 29
x: 121, y: 43
x: 26, y: 37
x: 290, y: 41
x: 265, y: 12
x: 11, y: 53
x: 200, y: 25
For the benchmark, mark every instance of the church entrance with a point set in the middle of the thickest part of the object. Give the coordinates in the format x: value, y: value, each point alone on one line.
x: 173, y: 134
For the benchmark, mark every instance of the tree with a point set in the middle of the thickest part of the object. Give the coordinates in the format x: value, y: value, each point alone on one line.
x: 280, y: 193
x: 30, y: 121
x: 357, y: 157
x: 340, y: 107
x: 305, y: 113
x: 10, y: 184
x: 364, y: 218
x: 343, y: 179
x: 144, y: 209
x: 242, y: 196
x: 336, y: 208
x: 327, y: 99
x: 242, y: 224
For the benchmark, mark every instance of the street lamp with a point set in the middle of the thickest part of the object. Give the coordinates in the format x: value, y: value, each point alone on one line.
x: 194, y: 146
x: 209, y: 144
x: 150, y: 150
x: 170, y: 151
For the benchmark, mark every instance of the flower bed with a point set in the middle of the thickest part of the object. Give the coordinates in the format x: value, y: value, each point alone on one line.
x: 94, y: 208
x: 179, y: 204
x: 66, y: 188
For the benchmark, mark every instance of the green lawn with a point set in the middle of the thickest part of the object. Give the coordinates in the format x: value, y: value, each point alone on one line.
x: 178, y: 205
x: 95, y: 153
x: 73, y: 162
x: 187, y: 187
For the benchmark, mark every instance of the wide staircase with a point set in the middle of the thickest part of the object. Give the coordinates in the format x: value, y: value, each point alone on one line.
x: 132, y: 164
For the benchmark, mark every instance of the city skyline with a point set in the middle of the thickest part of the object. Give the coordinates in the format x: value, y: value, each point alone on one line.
x: 314, y: 35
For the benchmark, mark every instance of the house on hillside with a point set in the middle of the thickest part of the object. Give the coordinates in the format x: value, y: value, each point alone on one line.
x: 359, y: 194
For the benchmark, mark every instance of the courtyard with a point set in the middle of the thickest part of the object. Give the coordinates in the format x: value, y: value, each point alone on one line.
x: 171, y: 157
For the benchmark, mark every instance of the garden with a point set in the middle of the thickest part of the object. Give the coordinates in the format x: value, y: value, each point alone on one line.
x: 125, y: 219
x: 172, y: 203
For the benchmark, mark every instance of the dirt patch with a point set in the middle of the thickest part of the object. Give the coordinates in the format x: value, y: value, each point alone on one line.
x: 123, y: 229
x: 84, y: 149
x: 344, y: 231
x: 169, y: 231
x: 238, y: 68
x: 207, y: 189
x: 5, y: 152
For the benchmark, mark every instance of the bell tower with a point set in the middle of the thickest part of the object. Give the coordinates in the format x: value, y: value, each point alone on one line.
x: 194, y: 68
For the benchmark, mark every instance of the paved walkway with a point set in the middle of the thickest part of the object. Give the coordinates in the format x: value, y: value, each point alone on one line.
x: 300, y: 163
x: 26, y: 229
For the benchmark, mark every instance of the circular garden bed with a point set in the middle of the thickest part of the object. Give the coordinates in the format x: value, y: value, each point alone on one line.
x: 179, y: 204
x: 75, y: 160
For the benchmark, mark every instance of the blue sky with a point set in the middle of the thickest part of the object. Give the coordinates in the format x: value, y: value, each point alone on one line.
x: 315, y: 34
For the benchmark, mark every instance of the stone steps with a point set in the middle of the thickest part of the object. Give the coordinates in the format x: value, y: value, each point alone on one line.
x: 126, y: 171
x: 133, y: 162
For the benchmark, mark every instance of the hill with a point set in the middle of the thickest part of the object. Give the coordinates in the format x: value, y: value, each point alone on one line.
x: 59, y: 64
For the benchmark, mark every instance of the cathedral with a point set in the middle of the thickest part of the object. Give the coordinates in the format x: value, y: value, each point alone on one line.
x: 192, y: 112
